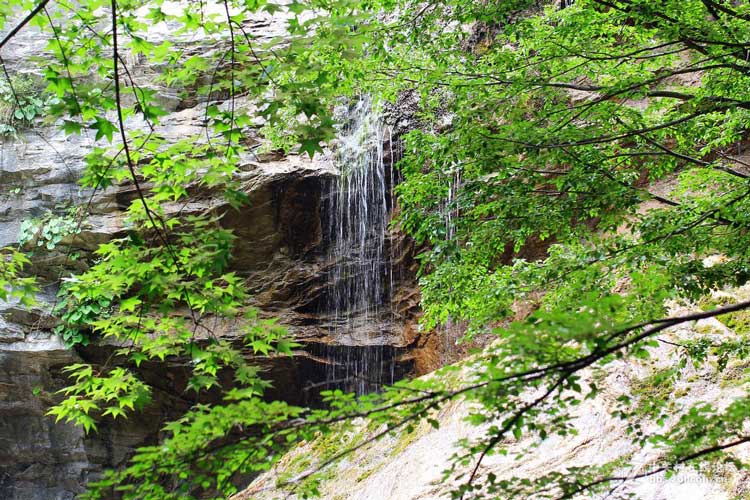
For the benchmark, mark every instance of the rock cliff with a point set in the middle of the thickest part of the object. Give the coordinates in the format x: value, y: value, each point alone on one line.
x: 282, y: 251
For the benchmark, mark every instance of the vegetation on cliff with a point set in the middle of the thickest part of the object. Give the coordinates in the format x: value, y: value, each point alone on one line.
x: 588, y: 159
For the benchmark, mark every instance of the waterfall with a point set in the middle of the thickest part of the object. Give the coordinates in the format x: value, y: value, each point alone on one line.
x: 359, y: 206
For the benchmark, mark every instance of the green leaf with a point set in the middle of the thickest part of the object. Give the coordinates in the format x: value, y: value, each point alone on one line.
x: 70, y: 127
x: 310, y: 146
x: 104, y: 128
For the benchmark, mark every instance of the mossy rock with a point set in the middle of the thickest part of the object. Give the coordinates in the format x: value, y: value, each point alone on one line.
x: 406, y: 438
x: 298, y: 465
x: 654, y: 393
x: 736, y: 374
x: 738, y: 321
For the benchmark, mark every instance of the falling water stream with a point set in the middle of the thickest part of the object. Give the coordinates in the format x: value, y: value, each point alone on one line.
x: 360, y: 205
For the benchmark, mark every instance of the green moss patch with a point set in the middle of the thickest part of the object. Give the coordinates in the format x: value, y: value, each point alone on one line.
x: 738, y: 321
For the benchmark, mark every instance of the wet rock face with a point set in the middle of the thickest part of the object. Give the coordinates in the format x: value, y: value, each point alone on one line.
x: 282, y: 217
x: 39, y: 459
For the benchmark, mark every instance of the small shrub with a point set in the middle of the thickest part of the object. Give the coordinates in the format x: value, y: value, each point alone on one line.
x: 49, y: 230
x: 77, y: 312
x: 20, y: 103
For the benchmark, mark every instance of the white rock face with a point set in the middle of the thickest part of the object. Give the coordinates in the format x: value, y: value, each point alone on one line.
x: 410, y: 467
